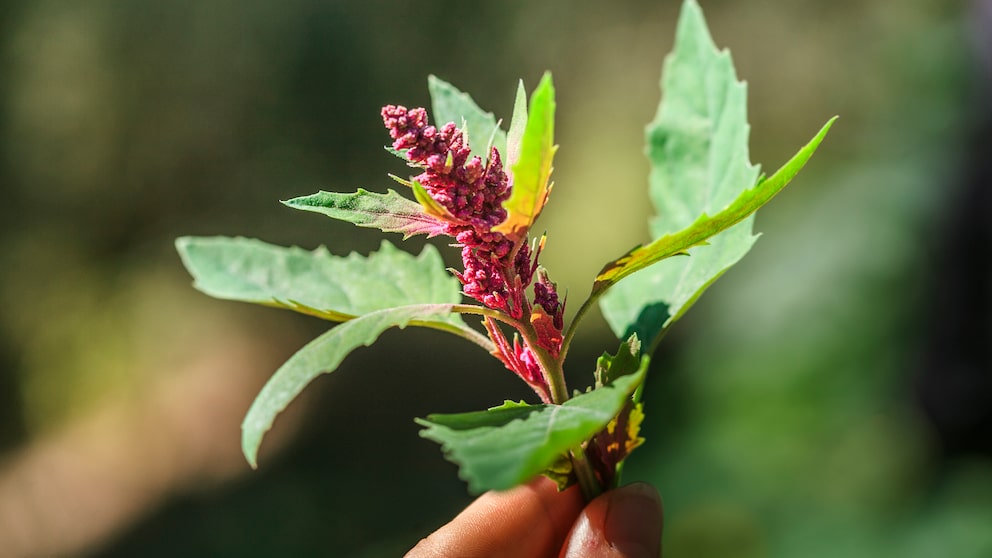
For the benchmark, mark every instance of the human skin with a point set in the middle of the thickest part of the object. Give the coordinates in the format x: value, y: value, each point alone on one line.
x: 537, y: 521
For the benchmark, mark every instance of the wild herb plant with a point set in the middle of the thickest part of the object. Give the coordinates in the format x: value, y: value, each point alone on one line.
x: 482, y: 188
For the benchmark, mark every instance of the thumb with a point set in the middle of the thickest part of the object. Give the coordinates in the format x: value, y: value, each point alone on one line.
x: 622, y: 523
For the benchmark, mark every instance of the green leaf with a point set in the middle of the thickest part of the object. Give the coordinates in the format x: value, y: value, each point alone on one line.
x: 705, y: 226
x: 701, y: 184
x: 532, y: 171
x: 451, y: 105
x: 508, y: 445
x: 429, y: 204
x: 518, y: 125
x: 389, y: 212
x: 626, y: 361
x: 332, y: 287
x: 650, y: 301
x: 323, y: 355
x: 399, y: 153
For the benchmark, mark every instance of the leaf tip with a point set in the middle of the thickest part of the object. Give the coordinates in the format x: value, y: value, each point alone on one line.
x: 182, y: 242
x: 249, y: 447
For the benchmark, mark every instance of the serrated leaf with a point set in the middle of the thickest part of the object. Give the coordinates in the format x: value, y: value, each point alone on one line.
x: 649, y: 301
x: 320, y: 356
x: 338, y: 288
x: 626, y: 361
x: 451, y: 105
x: 389, y: 212
x: 532, y: 171
x: 503, y: 447
x: 704, y: 227
x: 701, y: 183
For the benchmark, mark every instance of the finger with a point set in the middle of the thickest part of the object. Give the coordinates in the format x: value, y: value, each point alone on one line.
x: 622, y: 523
x: 529, y: 521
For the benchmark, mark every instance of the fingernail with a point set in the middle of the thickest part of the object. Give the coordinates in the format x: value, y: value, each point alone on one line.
x: 633, y: 521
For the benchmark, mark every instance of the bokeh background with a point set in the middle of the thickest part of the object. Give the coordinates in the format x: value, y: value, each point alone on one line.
x: 830, y: 396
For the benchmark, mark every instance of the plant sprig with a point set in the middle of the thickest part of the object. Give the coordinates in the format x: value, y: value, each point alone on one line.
x: 485, y: 187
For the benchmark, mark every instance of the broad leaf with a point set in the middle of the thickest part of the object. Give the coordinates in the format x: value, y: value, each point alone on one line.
x: 701, y: 184
x: 451, y: 105
x: 332, y: 287
x: 532, y: 171
x: 323, y: 355
x: 389, y: 212
x: 508, y: 445
x: 704, y: 227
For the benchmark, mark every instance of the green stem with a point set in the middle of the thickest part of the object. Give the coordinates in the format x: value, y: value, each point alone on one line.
x: 483, y: 311
x: 574, y: 324
x: 463, y: 332
x: 553, y: 372
x: 550, y: 367
x: 588, y: 482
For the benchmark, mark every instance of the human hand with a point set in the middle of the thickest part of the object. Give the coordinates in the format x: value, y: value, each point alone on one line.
x: 537, y: 521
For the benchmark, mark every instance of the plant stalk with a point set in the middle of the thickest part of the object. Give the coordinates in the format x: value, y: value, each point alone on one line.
x: 554, y: 374
x: 588, y: 482
x: 574, y: 324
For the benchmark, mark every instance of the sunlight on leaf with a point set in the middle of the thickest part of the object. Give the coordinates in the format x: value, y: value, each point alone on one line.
x: 701, y: 184
x: 342, y: 288
x: 451, y: 105
x: 502, y: 447
x: 532, y: 171
x: 389, y: 212
x: 320, y: 356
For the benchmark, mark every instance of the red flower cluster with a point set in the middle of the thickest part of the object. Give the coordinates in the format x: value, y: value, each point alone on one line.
x: 472, y: 191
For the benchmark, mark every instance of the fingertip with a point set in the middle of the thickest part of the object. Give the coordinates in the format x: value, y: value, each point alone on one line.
x: 622, y: 523
x: 634, y: 520
x: 530, y: 520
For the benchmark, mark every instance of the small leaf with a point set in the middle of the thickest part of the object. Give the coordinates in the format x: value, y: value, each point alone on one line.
x: 340, y: 288
x: 614, y: 443
x: 561, y: 472
x: 548, y: 336
x: 532, y: 171
x: 503, y: 447
x: 400, y: 153
x: 320, y: 356
x: 702, y: 185
x: 451, y: 105
x: 399, y: 180
x: 429, y: 205
x: 389, y: 212
x: 518, y: 124
x: 626, y: 361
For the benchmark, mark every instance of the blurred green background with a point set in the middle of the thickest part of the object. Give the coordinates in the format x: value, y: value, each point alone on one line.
x: 831, y: 396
